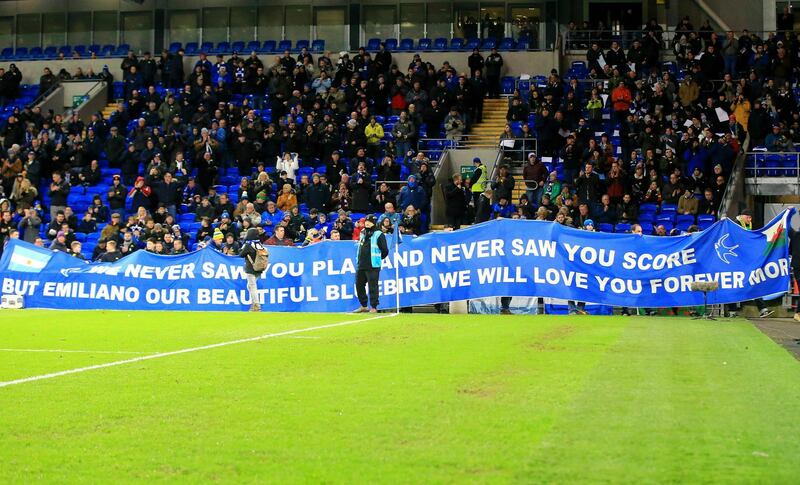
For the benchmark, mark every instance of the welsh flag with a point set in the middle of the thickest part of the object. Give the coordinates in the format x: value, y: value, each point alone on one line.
x: 775, y: 231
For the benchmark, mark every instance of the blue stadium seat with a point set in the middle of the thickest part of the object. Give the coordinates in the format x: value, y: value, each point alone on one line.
x: 269, y: 46
x: 36, y: 53
x: 174, y: 47
x: 66, y: 50
x: 222, y: 48
x: 237, y: 46
x: 685, y: 218
x: 192, y: 48
x: 373, y: 44
x: 7, y: 53
x: 318, y: 46
x: 107, y: 50
x: 424, y: 44
x: 253, y: 45
x: 122, y: 50
x: 524, y: 85
x: 489, y: 43
x: 523, y: 45
x: 507, y: 85
x: 81, y: 49
x: 95, y: 48
x: 21, y: 53
x: 391, y: 44
x: 456, y: 44
x: 473, y: 43
x: 706, y: 218
x: 284, y: 45
x: 300, y: 44
x: 440, y: 44
x: 647, y: 227
x: 606, y: 227
x: 206, y: 47
x: 506, y: 44
x: 669, y: 208
x: 622, y: 227
x: 648, y: 207
x: 406, y: 45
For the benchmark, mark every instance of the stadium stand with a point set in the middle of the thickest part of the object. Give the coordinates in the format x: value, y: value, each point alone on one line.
x: 204, y: 153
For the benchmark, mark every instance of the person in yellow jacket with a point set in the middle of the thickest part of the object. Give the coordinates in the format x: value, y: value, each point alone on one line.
x: 374, y: 134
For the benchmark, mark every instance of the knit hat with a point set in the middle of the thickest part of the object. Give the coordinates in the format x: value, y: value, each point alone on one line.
x: 588, y: 222
x: 225, y: 215
x: 261, y: 196
x: 218, y: 237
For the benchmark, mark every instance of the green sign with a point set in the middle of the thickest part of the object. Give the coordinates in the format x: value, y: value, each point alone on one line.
x: 466, y: 171
x: 77, y: 101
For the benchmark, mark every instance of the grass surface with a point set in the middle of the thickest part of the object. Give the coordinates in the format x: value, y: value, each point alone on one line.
x: 410, y: 399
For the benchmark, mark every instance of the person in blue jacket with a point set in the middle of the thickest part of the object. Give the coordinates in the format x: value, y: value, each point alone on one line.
x: 372, y: 249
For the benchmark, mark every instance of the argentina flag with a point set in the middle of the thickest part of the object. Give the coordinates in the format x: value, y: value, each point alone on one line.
x: 28, y: 260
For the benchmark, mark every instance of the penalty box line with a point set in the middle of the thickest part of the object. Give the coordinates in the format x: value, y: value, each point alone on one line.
x: 115, y: 363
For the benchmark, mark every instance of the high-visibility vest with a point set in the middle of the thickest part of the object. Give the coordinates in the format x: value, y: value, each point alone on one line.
x: 478, y: 186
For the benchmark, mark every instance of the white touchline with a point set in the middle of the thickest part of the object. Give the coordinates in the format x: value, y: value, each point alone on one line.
x: 65, y: 351
x: 186, y: 351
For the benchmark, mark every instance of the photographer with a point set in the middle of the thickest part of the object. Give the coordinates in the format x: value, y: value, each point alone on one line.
x: 777, y: 142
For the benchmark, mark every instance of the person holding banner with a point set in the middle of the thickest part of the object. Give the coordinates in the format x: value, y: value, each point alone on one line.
x: 745, y: 219
x: 256, y: 257
x: 372, y: 249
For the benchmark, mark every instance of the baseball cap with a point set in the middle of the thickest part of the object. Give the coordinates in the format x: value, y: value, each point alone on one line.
x: 476, y: 160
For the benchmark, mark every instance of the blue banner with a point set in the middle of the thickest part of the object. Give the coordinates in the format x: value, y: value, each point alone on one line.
x: 497, y: 258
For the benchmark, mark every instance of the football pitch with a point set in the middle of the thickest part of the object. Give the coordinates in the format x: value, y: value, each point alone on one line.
x: 109, y: 397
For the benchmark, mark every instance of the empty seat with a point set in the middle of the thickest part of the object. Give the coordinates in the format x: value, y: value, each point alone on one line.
x: 284, y: 45
x: 473, y: 43
x: 506, y: 44
x: 21, y: 53
x: 406, y: 45
x: 456, y: 44
x: 237, y: 46
x: 222, y: 48
x: 36, y: 53
x: 7, y: 53
x: 507, y: 85
x: 440, y: 44
x: 489, y: 44
x: 174, y: 47
x: 391, y: 44
x: 424, y: 44
x: 253, y: 45
x: 622, y: 227
x: 191, y: 48
x: 269, y: 46
x: 373, y: 44
x: 300, y: 44
x: 318, y: 46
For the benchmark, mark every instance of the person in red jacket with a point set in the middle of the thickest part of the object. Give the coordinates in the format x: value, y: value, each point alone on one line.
x: 621, y: 101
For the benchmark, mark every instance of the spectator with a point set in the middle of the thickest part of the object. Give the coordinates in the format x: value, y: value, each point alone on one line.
x: 456, y: 199
x: 535, y: 175
x: 494, y: 66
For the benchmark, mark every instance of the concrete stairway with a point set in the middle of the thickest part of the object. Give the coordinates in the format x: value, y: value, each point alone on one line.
x: 109, y: 109
x: 487, y: 132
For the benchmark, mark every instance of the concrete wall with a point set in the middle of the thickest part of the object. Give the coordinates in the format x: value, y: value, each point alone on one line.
x: 738, y: 14
x: 515, y: 63
x: 451, y: 164
x: 60, y: 100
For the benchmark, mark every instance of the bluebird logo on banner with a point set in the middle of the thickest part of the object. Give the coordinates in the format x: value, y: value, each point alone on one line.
x: 517, y: 258
x: 723, y: 251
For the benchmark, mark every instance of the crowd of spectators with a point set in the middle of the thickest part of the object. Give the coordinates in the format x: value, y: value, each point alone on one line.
x: 635, y: 132
x: 314, y: 144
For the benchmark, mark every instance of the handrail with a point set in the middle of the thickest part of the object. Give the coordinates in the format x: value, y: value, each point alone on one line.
x: 40, y: 98
x: 737, y: 173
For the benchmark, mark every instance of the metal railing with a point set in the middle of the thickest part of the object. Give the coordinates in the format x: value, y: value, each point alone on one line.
x: 580, y: 40
x: 769, y: 165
